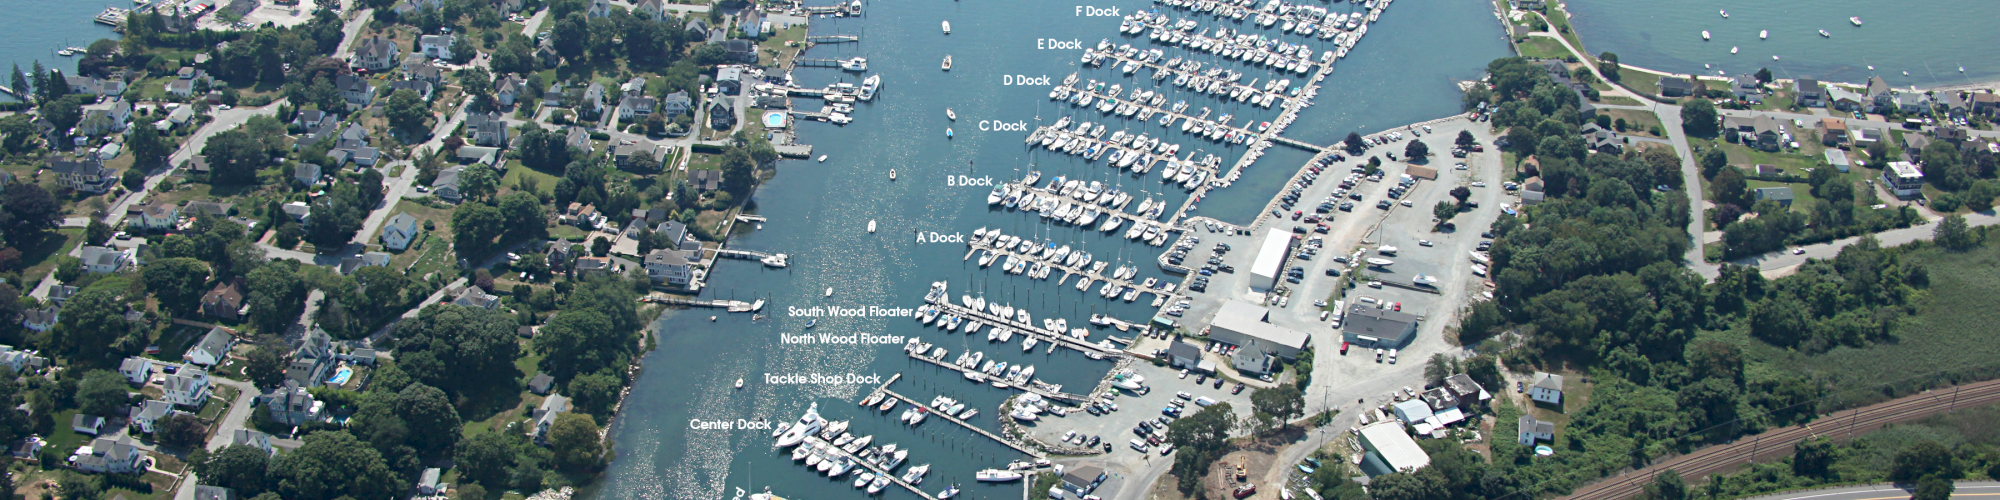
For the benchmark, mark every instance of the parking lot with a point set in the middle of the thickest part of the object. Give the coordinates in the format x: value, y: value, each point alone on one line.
x: 1116, y: 427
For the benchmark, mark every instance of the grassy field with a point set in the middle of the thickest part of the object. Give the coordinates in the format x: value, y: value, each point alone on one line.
x: 1802, y: 198
x: 545, y: 182
x: 1636, y: 122
x: 39, y: 258
x: 1746, y: 157
x: 1559, y: 23
x: 1950, y: 337
x: 783, y: 45
x: 1639, y: 81
x: 1543, y: 47
x: 1616, y: 100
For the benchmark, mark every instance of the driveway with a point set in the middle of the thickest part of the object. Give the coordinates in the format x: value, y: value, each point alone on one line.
x: 239, y: 414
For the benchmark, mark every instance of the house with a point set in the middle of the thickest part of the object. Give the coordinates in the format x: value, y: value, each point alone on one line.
x: 635, y: 107
x: 1811, y: 94
x: 739, y: 50
x: 729, y: 79
x: 675, y: 232
x: 752, y: 23
x: 306, y: 173
x: 105, y: 456
x: 1904, y: 179
x: 291, y: 404
x: 1913, y: 102
x: 579, y: 139
x: 61, y: 293
x: 721, y: 116
x: 215, y: 493
x: 146, y: 414
x: 1466, y: 391
x: 397, y: 234
x: 376, y: 54
x: 311, y: 118
x: 426, y: 71
x: 94, y: 86
x: 427, y: 483
x: 542, y: 383
x: 509, y: 88
x: 545, y: 51
x: 697, y: 29
x: 41, y: 319
x: 488, y: 129
x: 85, y: 174
x: 593, y: 100
x: 354, y: 150
x: 1863, y: 136
x: 1247, y: 325
x: 1832, y: 131
x: 21, y: 361
x: 298, y: 210
x: 136, y: 369
x: 156, y: 216
x: 1780, y: 194
x: 105, y: 259
x: 1761, y: 131
x: 179, y: 116
x: 212, y: 348
x: 1953, y: 104
x: 1601, y: 139
x: 676, y: 104
x: 86, y: 424
x: 651, y: 10
x: 1548, y: 388
x: 1986, y: 103
x: 1083, y: 479
x: 1674, y: 86
x: 436, y: 46
x: 585, y: 265
x: 252, y: 438
x: 705, y: 180
x: 545, y: 416
x: 419, y: 87
x: 1845, y: 100
x: 311, y: 359
x: 180, y: 88
x: 445, y: 186
x: 354, y: 90
x: 669, y: 267
x: 224, y: 301
x: 1914, y: 144
x: 360, y: 356
x: 599, y: 8
x: 1411, y: 412
x: 473, y: 296
x: 1389, y: 449
x: 101, y: 119
x: 328, y: 130
x: 208, y: 208
x: 1881, y: 96
x: 1534, y: 430
x: 554, y: 95
x: 622, y: 154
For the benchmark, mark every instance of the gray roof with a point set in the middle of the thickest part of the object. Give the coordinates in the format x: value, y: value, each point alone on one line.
x: 1780, y: 193
x: 665, y: 257
x: 216, y: 342
x: 1390, y: 326
x: 151, y: 410
x: 1549, y: 381
x: 542, y: 381
x: 214, y: 493
x: 1184, y: 350
x: 1531, y: 424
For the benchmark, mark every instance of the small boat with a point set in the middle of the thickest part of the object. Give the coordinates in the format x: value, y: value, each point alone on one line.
x: 1732, y: 50
x: 997, y: 476
x: 1763, y: 34
x: 829, y: 291
x: 1824, y: 34
x: 871, y: 226
x: 855, y: 64
x: 1704, y: 34
x: 948, y: 113
x: 947, y: 62
x: 892, y: 174
x: 1775, y: 57
x: 947, y: 132
x: 1378, y: 261
x: 949, y: 491
x: 822, y: 158
x: 947, y: 27
x: 739, y: 382
x: 878, y: 485
x: 1856, y: 20
x: 861, y: 480
x: 1725, y: 14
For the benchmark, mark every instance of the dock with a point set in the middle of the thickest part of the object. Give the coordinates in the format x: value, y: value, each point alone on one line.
x: 817, y: 441
x: 1088, y: 277
x: 731, y: 305
x: 832, y: 38
x: 1057, y: 338
x: 961, y: 423
x: 841, y: 9
x: 1045, y: 393
x: 769, y: 259
x: 816, y: 62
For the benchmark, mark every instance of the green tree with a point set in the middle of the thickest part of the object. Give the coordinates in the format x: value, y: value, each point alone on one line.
x: 486, y: 458
x: 1713, y: 160
x: 433, y: 422
x: 1354, y: 143
x: 277, y: 295
x: 575, y: 444
x: 102, y: 393
x: 1667, y: 485
x: 465, y: 351
x: 265, y: 367
x: 241, y: 467
x: 739, y: 173
x: 1925, y: 458
x: 64, y: 113
x: 1763, y: 75
x: 474, y: 228
x: 1934, y: 488
x: 1439, y: 367
x: 1813, y: 457
x: 600, y: 246
x: 235, y: 156
x: 29, y: 212
x: 1699, y: 119
x: 1416, y: 151
x: 407, y: 112
x: 93, y: 328
x: 97, y: 232
x: 1465, y: 138
x: 1730, y: 187
x: 579, y: 341
x: 17, y: 133
x: 595, y: 393
x: 148, y: 149
x: 1201, y: 438
x: 1607, y: 63
x: 132, y: 179
x: 1420, y: 484
x: 1444, y: 211
x: 1284, y: 403
x: 1461, y: 194
x: 177, y: 283
x: 478, y: 182
x: 333, y: 464
x: 179, y: 430
x: 1953, y: 233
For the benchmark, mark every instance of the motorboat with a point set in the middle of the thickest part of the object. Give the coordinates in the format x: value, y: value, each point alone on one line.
x: 739, y: 382
x: 861, y: 480
x: 997, y: 476
x: 1824, y: 34
x: 829, y: 291
x: 871, y: 225
x: 1763, y: 34
x: 948, y: 113
x: 808, y: 424
x: 1380, y: 262
x: 915, y: 475
x: 1725, y: 14
x: 947, y: 62
x: 1856, y: 20
x: 878, y: 485
x: 855, y: 64
x: 822, y: 158
x: 1704, y: 34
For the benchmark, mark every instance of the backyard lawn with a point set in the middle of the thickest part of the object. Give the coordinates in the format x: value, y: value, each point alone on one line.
x: 1543, y: 48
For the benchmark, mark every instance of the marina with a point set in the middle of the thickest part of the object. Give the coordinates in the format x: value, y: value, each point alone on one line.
x: 1039, y: 261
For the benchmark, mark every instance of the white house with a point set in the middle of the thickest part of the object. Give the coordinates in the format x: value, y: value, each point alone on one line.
x: 212, y: 348
x: 136, y: 369
x: 105, y: 259
x: 41, y: 320
x: 1548, y: 388
x: 21, y: 361
x: 397, y: 234
x: 599, y: 8
x: 436, y: 46
x: 107, y: 456
x: 157, y: 217
x: 252, y: 438
x: 306, y: 173
x: 188, y: 388
x: 545, y: 416
x: 1533, y: 430
x: 146, y: 416
x: 669, y: 267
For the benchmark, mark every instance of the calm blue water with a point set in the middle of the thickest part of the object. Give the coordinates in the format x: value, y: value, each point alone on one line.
x: 1402, y: 72
x: 35, y: 30
x: 1930, y: 39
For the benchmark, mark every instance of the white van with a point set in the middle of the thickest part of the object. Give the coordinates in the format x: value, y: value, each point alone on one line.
x: 1139, y: 445
x: 1204, y: 401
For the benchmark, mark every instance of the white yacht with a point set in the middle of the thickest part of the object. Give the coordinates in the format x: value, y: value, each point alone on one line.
x: 855, y: 64
x: 868, y: 88
x: 807, y: 425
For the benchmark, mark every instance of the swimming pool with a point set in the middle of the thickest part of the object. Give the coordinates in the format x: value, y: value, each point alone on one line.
x: 775, y: 119
x: 340, y: 376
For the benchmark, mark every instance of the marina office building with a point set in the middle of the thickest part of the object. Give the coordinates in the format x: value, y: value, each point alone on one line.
x: 1248, y: 327
x: 1371, y: 327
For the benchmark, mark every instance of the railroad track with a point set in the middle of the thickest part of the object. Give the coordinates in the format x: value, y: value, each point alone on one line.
x: 1842, y: 425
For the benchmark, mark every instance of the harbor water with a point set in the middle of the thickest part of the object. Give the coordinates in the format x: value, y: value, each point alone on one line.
x: 1402, y: 72
x: 36, y: 30
x: 1930, y: 40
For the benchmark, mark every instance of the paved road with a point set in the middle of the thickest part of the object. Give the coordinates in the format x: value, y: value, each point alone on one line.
x: 353, y: 33
x: 1883, y: 492
x: 1784, y: 262
x: 239, y: 413
x: 223, y: 120
x: 1851, y: 121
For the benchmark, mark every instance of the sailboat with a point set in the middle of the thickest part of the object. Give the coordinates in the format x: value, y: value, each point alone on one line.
x: 1704, y: 34
x: 829, y: 291
x: 1763, y: 34
x: 739, y: 382
x: 948, y: 113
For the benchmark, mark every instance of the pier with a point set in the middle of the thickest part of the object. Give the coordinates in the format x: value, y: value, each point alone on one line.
x: 938, y: 414
x: 840, y: 9
x: 773, y: 260
x: 1045, y: 393
x: 1056, y: 338
x: 1089, y: 277
x: 734, y: 306
x: 816, y: 62
x: 878, y: 470
x: 832, y: 38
